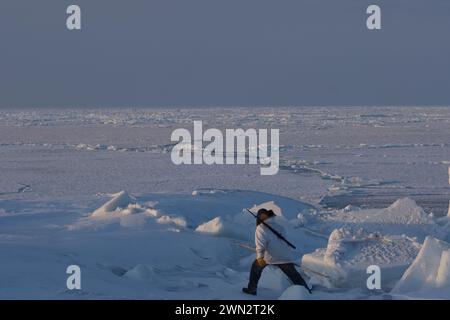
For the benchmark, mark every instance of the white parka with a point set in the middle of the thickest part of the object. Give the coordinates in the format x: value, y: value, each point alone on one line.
x: 270, y: 247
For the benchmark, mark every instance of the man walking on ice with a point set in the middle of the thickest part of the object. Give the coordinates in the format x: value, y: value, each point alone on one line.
x: 271, y: 249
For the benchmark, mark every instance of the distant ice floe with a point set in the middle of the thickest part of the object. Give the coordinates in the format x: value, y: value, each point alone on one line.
x: 318, y: 118
x: 163, y: 148
x: 307, y: 166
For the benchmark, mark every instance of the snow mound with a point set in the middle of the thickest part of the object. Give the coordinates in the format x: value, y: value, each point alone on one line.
x: 140, y: 272
x: 123, y: 209
x: 222, y: 227
x: 344, y: 261
x: 430, y: 269
x: 404, y: 216
x: 295, y: 292
x: 119, y: 201
x: 406, y: 211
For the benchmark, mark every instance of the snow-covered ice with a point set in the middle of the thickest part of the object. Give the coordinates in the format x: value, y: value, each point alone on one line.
x: 348, y: 254
x: 142, y: 246
x: 429, y: 274
x: 96, y: 188
x: 295, y: 293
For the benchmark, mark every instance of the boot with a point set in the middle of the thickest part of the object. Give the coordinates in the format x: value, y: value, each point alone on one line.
x: 249, y: 291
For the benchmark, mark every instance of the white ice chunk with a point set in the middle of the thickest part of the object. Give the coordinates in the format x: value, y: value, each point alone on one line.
x: 429, y: 270
x: 119, y: 200
x: 223, y: 227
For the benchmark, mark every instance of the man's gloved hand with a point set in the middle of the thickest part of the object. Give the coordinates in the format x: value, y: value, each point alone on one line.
x: 261, y: 262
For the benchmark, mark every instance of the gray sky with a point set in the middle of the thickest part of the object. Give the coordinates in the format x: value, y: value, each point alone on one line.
x: 224, y: 52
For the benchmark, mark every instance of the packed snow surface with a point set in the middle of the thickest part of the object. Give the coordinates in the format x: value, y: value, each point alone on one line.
x: 200, y: 245
x: 96, y: 188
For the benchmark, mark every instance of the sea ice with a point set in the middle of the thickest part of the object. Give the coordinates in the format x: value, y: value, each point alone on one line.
x: 348, y: 254
x: 429, y: 270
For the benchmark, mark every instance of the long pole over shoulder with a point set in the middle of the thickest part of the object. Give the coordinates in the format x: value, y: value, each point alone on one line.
x: 279, y: 235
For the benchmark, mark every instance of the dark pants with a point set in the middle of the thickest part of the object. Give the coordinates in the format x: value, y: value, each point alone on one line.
x: 287, y: 268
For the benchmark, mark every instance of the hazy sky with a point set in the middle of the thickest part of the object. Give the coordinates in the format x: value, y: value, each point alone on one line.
x: 224, y: 52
